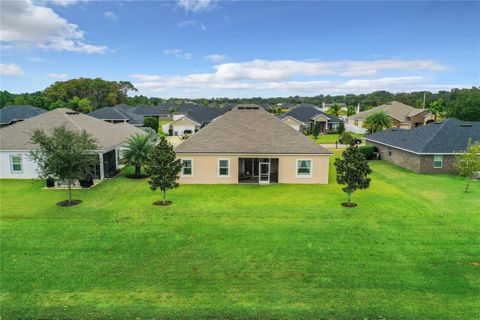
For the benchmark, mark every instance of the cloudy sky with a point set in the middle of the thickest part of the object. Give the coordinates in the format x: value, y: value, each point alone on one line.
x: 242, y: 48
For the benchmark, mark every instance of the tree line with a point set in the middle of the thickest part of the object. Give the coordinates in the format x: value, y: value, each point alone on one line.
x: 85, y: 95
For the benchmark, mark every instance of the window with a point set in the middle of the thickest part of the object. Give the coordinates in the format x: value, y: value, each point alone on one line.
x: 356, y: 122
x: 16, y: 163
x: 389, y: 153
x: 187, y: 169
x: 437, y: 161
x: 304, y: 168
x: 223, y: 167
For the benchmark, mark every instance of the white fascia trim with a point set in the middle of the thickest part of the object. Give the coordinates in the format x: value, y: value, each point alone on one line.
x: 294, y: 120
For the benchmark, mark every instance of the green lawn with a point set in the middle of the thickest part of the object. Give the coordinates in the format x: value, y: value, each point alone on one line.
x: 331, y: 138
x: 411, y: 250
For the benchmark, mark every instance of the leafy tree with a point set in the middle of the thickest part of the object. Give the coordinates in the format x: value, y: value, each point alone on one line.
x: 137, y: 150
x: 82, y: 105
x: 346, y: 138
x: 164, y: 168
x: 335, y: 110
x: 377, y: 121
x: 468, y: 162
x: 351, y: 110
x: 151, y: 122
x: 464, y: 104
x: 437, y: 108
x: 316, y: 130
x: 65, y: 154
x: 58, y: 104
x: 352, y: 170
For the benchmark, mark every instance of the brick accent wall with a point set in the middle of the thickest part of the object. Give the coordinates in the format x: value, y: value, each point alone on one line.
x: 414, y: 162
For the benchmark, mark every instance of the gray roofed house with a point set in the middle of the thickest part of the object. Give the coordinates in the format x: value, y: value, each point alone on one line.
x: 15, y: 143
x: 194, y: 120
x: 306, y: 116
x: 118, y: 113
x: 14, y: 113
x: 426, y: 149
x: 250, y: 145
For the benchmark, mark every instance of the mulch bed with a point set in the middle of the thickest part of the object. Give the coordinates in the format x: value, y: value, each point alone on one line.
x: 132, y: 176
x: 352, y: 205
x: 66, y: 203
x: 160, y: 203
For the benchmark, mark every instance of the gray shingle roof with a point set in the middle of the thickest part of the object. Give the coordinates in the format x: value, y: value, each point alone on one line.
x: 205, y: 115
x: 121, y: 112
x: 449, y: 136
x: 306, y: 112
x: 249, y: 131
x: 14, y: 113
x: 108, y: 135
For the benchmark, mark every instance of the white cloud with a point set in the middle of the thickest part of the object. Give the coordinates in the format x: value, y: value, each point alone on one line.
x: 178, y: 53
x: 192, y: 23
x: 57, y: 75
x: 196, y: 5
x: 216, y: 57
x: 64, y: 3
x: 10, y: 69
x: 291, y: 77
x: 110, y: 15
x: 36, y: 59
x: 24, y: 23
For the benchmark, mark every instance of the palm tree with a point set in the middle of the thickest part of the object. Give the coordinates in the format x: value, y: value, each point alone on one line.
x: 137, y: 151
x: 334, y: 109
x: 377, y: 121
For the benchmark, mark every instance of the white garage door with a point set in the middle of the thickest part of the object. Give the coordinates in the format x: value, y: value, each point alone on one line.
x: 180, y: 130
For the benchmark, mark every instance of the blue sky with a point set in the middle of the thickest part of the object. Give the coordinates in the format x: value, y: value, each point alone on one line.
x: 242, y: 48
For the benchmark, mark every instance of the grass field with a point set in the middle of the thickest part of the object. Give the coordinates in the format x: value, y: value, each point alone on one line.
x: 411, y: 250
x: 331, y: 138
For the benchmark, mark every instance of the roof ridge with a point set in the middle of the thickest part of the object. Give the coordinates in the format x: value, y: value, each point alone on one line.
x: 64, y: 114
x: 433, y: 135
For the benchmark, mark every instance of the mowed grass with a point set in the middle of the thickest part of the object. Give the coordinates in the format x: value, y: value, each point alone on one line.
x: 411, y: 250
x: 331, y: 138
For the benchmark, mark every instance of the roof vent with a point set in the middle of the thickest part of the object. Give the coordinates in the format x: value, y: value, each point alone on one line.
x: 465, y: 125
x: 248, y: 108
x: 438, y: 122
x: 71, y: 112
x: 394, y: 129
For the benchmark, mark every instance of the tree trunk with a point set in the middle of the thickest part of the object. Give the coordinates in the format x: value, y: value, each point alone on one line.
x: 435, y: 118
x: 164, y: 196
x: 69, y: 191
x: 466, y: 187
x: 349, y: 196
x: 138, y: 168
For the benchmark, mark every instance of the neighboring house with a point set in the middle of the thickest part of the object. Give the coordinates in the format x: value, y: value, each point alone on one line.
x: 118, y: 113
x: 250, y: 145
x: 326, y: 106
x: 403, y: 116
x: 194, y: 120
x: 14, y: 113
x: 426, y: 149
x: 286, y: 106
x: 306, y: 116
x: 15, y: 143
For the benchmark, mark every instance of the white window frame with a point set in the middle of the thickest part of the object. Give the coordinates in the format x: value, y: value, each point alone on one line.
x: 303, y: 175
x: 218, y: 168
x: 441, y: 161
x: 11, y: 163
x: 187, y: 175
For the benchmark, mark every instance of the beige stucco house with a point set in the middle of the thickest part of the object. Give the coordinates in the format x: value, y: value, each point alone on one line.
x: 250, y: 145
x: 403, y: 116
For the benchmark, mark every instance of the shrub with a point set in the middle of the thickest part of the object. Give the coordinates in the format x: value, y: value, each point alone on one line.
x: 151, y: 122
x: 86, y: 183
x: 345, y: 138
x: 50, y: 182
x: 170, y: 131
x: 341, y: 128
x: 367, y: 151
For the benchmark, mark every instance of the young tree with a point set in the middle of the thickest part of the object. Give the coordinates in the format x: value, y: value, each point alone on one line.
x: 341, y: 127
x: 164, y: 168
x: 468, y: 162
x: 352, y: 171
x: 137, y: 151
x: 437, y: 108
x: 316, y: 130
x: 377, y: 121
x: 65, y: 154
x: 152, y: 122
x: 351, y: 110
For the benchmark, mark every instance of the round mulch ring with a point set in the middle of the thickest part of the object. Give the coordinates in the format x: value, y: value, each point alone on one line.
x: 160, y: 203
x: 66, y: 203
x: 352, y: 205
x: 132, y: 176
